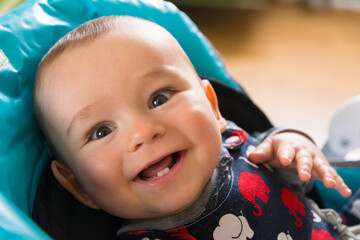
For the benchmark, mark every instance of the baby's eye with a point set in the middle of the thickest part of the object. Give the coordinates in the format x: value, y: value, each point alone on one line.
x: 101, y: 132
x: 160, y: 98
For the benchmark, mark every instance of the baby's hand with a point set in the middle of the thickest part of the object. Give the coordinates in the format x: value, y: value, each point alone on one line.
x: 297, y: 153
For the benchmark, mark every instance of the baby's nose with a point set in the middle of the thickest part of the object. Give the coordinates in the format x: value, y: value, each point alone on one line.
x: 144, y: 132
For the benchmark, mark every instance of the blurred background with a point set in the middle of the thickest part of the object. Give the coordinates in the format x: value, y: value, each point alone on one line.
x: 298, y: 60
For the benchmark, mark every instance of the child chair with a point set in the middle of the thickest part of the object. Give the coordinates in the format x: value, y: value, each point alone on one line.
x: 26, y: 34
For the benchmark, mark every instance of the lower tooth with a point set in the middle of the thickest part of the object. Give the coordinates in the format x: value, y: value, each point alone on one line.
x: 163, y: 172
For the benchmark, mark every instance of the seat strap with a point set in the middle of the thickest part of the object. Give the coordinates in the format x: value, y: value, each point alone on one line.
x: 331, y: 217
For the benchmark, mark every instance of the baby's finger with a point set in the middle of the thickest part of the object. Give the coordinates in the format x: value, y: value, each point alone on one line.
x: 330, y: 177
x: 343, y: 189
x: 304, y: 165
x: 286, y: 155
x: 339, y: 184
x: 263, y: 153
x: 324, y: 172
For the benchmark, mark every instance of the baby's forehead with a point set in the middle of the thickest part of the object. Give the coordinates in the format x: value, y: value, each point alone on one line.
x: 129, y: 43
x: 124, y: 27
x: 142, y: 33
x: 145, y: 35
x: 132, y: 45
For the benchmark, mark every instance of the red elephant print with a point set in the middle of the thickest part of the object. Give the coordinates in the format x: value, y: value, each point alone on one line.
x: 241, y: 137
x: 293, y: 204
x: 252, y: 186
x: 320, y: 234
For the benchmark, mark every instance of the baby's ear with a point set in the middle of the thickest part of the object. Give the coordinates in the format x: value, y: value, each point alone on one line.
x: 67, y: 179
x: 211, y: 96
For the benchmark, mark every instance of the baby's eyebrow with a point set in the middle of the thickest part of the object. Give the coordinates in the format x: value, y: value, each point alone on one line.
x: 160, y: 71
x: 81, y: 115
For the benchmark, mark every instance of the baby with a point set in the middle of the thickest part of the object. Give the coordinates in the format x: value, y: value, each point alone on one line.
x: 136, y: 132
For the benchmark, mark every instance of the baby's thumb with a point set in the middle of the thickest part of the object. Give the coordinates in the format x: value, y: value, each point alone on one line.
x: 262, y: 153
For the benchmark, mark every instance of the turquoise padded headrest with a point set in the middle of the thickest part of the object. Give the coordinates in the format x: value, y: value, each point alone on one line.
x: 26, y: 34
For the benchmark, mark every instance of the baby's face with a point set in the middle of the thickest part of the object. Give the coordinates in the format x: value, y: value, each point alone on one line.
x: 133, y: 123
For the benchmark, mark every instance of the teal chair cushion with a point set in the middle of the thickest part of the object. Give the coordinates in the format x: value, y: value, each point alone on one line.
x: 26, y: 34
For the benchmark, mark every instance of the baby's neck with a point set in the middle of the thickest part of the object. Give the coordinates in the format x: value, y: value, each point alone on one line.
x: 178, y: 219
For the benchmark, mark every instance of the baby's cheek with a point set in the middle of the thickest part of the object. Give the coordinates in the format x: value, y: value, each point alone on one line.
x: 97, y: 173
x: 198, y: 116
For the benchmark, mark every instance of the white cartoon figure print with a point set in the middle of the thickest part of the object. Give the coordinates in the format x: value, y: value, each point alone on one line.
x: 316, y: 217
x: 284, y: 236
x: 233, y: 227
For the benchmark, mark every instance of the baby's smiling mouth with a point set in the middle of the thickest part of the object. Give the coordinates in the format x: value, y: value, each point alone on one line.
x: 159, y: 168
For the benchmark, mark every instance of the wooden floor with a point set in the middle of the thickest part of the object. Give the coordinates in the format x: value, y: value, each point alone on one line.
x: 298, y: 65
